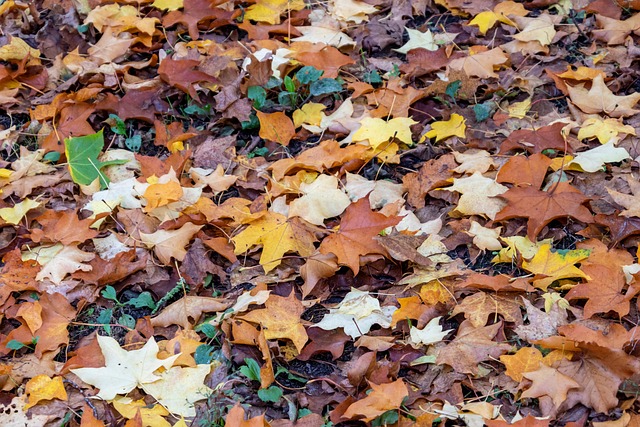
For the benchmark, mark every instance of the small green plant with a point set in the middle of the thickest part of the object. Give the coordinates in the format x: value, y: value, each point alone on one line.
x: 17, y: 345
x: 251, y: 369
x: 119, y: 127
x: 143, y: 300
x: 293, y: 92
x: 181, y: 285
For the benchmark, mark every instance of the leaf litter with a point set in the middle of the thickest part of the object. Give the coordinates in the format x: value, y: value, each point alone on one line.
x: 346, y: 213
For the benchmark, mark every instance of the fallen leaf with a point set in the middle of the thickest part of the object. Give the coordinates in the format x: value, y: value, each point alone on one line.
x: 276, y: 127
x: 186, y: 308
x: 600, y: 99
x: 356, y: 236
x: 542, y: 207
x: 356, y: 314
x: 281, y: 319
x: 455, y: 126
x: 169, y: 244
x: 123, y: 370
x: 41, y: 387
x: 383, y: 397
x: 277, y: 235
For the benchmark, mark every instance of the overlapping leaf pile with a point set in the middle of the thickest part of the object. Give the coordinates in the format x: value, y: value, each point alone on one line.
x: 288, y: 213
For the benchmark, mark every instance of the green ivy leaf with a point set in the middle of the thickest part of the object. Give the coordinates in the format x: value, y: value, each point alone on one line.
x: 308, y: 74
x: 271, y: 394
x: 325, y: 87
x: 204, y: 354
x: 134, y: 143
x: 15, y: 345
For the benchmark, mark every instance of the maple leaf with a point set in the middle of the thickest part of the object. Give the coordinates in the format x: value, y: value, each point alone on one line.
x: 547, y: 381
x: 169, y: 244
x: 525, y: 171
x: 557, y: 264
x: 276, y: 127
x: 351, y: 10
x: 600, y: 99
x: 321, y: 200
x: 277, y: 235
x: 542, y: 207
x: 487, y: 19
x: 615, y: 31
x: 194, y: 12
x: 269, y: 11
x: 536, y: 140
x: 434, y: 173
x: 382, y: 398
x: 478, y: 195
x: 606, y: 283
x: 58, y: 260
x: 123, y: 370
x: 235, y: 418
x: 178, y: 388
x: 41, y: 387
x: 378, y: 131
x: 595, y: 159
x: 356, y: 235
x: 525, y: 360
x: 432, y: 333
x: 281, y: 319
x: 480, y: 64
x: 604, y: 130
x: 189, y: 307
x: 183, y: 75
x: 455, y: 126
x: 540, y: 29
x: 477, y: 308
x: 356, y: 314
x: 418, y: 40
x: 541, y: 324
x: 472, y: 346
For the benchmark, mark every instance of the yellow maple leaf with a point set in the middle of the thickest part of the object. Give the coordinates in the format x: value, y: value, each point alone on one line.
x: 17, y: 50
x: 378, y: 131
x: 41, y: 387
x: 518, y: 244
x: 487, y: 19
x: 277, y: 237
x: 15, y: 214
x: 526, y: 359
x: 444, y: 129
x: 168, y: 4
x: 310, y: 113
x: 269, y: 11
x: 519, y: 110
x: 604, y: 130
x: 555, y: 265
x: 281, y: 319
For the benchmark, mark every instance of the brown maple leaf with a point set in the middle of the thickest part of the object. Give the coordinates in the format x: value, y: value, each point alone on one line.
x: 356, y: 236
x: 140, y: 104
x: 182, y: 74
x: 536, y: 140
x: 472, y: 346
x: 525, y: 171
x: 200, y: 10
x: 435, y: 173
x: 63, y: 227
x: 542, y: 207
